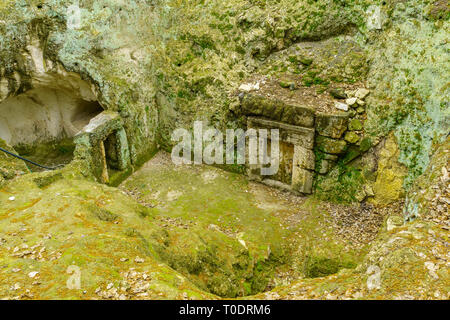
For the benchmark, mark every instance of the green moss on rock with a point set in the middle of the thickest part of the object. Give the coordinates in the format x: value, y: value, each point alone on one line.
x: 329, y: 145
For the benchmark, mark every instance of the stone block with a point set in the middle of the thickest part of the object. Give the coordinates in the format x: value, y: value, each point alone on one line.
x: 329, y: 145
x: 324, y: 166
x: 355, y: 125
x: 298, y: 116
x: 331, y: 125
x: 351, y: 137
x: 102, y: 126
x: 123, y: 152
x: 304, y: 158
x: 255, y: 105
x: 302, y: 180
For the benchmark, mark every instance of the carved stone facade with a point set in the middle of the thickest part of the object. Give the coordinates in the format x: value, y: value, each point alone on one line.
x: 310, y: 142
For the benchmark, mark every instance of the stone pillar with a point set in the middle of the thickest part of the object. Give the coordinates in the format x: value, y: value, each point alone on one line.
x: 303, y: 170
x: 123, y: 152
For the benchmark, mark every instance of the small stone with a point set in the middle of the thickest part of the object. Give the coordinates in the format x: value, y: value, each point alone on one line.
x: 338, y: 93
x: 351, y: 101
x: 369, y: 191
x: 358, y: 295
x: 394, y: 222
x: 374, y: 18
x: 139, y: 260
x: 330, y: 297
x: 360, y: 195
x: 360, y: 110
x: 305, y: 61
x: 325, y: 165
x: 361, y: 93
x: 12, y: 198
x: 332, y: 146
x: 444, y: 177
x: 350, y: 93
x: 366, y: 144
x: 360, y: 102
x: 247, y: 87
x: 33, y: 274
x: 331, y: 125
x: 288, y: 85
x: 374, y: 279
x: 341, y: 106
x: 431, y: 269
x: 351, y: 137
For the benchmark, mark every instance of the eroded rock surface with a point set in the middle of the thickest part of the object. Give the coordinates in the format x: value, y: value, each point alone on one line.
x: 361, y: 88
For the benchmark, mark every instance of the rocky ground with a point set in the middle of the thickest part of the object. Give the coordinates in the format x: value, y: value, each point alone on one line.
x: 201, y: 232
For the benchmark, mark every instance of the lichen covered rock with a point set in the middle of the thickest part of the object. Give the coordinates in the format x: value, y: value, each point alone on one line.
x: 10, y: 167
x: 388, y: 186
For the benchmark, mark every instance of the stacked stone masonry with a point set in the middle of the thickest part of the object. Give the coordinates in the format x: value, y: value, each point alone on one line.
x: 311, y: 142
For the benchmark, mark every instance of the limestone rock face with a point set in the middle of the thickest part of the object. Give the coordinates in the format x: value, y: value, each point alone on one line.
x: 150, y: 67
x: 388, y: 186
x: 413, y: 80
x: 429, y: 197
x: 160, y: 75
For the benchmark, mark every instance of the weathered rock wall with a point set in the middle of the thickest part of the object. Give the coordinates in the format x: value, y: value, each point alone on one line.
x: 409, y: 76
x: 163, y: 64
x: 40, y: 41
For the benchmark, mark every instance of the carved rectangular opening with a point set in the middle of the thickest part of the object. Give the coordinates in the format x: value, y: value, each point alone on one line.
x: 284, y: 173
x: 111, y: 152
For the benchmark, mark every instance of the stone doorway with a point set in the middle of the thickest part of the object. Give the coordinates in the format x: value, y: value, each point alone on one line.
x: 103, y: 144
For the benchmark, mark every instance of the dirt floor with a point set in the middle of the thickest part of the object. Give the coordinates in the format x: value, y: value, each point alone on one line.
x: 198, y: 232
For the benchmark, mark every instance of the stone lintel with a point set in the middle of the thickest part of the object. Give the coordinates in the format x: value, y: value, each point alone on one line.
x: 102, y: 125
x: 277, y: 110
x: 90, y: 144
x: 300, y: 136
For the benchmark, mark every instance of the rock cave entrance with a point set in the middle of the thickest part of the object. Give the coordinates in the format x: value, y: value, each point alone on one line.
x: 40, y: 123
x: 111, y: 152
x: 110, y: 156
